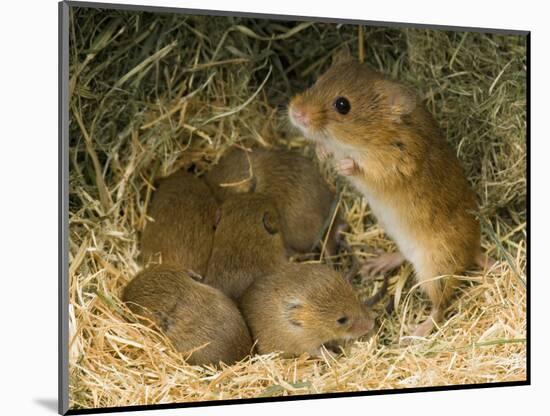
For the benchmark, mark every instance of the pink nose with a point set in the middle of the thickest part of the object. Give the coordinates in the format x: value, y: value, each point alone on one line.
x: 363, y: 327
x: 300, y: 116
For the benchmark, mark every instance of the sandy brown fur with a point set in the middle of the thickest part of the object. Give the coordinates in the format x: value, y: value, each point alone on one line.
x: 405, y: 169
x: 295, y: 309
x: 244, y: 248
x: 184, y: 212
x: 191, y: 314
x: 292, y: 181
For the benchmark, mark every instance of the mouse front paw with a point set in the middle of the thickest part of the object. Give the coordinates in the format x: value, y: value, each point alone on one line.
x: 347, y: 167
x: 322, y: 353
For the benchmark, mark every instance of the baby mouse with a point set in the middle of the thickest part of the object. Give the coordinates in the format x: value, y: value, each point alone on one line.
x: 184, y: 213
x: 391, y: 149
x: 194, y: 316
x: 302, y: 197
x: 247, y: 244
x: 301, y: 307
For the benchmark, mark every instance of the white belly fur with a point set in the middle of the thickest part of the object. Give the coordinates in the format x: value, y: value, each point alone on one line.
x: 392, y: 223
x: 386, y: 214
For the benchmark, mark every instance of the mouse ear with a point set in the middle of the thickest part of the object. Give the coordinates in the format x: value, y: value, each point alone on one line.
x: 399, y: 98
x: 342, y: 55
x: 195, y: 276
x: 270, y: 223
x: 292, y: 309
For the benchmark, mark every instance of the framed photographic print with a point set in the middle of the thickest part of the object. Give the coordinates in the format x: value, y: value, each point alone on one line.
x: 266, y: 208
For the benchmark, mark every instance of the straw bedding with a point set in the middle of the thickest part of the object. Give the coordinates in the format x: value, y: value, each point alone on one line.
x: 151, y: 93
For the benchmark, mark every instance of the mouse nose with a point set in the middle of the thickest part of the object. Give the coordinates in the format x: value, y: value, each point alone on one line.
x: 363, y: 327
x: 299, y: 116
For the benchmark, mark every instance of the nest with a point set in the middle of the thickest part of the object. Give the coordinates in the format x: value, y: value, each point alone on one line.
x: 151, y: 93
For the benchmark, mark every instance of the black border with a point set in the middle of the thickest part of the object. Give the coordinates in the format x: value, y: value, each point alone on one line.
x: 63, y: 204
x: 204, y: 12
x: 63, y: 177
x: 292, y: 398
x: 528, y: 202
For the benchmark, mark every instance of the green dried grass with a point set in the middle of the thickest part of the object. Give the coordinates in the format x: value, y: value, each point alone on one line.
x: 153, y: 92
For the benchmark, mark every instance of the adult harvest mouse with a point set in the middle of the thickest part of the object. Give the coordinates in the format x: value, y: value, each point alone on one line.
x: 247, y: 243
x: 301, y: 307
x: 182, y: 232
x: 197, y: 318
x: 391, y: 149
x: 292, y: 181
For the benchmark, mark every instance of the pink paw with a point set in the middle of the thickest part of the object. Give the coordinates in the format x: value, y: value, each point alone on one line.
x: 382, y: 264
x: 347, y: 167
x: 425, y: 328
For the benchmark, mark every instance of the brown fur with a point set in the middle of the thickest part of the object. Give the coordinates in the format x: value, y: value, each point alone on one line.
x: 292, y: 181
x: 295, y: 310
x: 247, y: 244
x: 191, y: 314
x: 182, y: 232
x: 403, y: 165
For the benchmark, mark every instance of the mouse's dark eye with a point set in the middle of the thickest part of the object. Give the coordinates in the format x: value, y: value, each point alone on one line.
x: 342, y: 105
x: 343, y: 320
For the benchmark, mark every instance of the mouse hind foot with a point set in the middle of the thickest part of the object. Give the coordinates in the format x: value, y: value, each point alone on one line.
x: 484, y: 261
x: 382, y: 264
x: 425, y: 328
x: 440, y: 291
